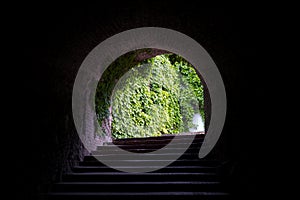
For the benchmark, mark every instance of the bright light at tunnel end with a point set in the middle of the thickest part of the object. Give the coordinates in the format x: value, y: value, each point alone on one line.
x: 107, y: 51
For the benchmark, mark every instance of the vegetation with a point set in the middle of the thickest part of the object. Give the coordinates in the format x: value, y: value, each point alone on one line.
x: 155, y: 96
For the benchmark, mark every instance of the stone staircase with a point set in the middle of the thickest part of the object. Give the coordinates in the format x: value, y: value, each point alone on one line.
x: 186, y: 178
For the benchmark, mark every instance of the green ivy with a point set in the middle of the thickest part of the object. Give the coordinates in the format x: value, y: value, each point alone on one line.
x: 159, y: 95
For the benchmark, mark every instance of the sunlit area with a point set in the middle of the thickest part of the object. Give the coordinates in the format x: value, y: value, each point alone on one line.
x: 147, y: 93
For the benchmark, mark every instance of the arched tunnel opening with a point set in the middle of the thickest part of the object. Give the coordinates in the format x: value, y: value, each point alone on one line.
x: 151, y: 93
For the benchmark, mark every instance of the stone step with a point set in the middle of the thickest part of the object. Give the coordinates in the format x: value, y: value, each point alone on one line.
x: 155, y: 141
x: 125, y: 177
x: 195, y: 162
x: 187, y: 186
x: 188, y: 177
x: 149, y: 156
x: 178, y: 195
x: 173, y: 169
x: 110, y: 150
x: 151, y: 146
x: 165, y: 137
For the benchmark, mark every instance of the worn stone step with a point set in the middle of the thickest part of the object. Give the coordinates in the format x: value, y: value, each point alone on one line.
x: 146, y: 149
x: 154, y: 156
x: 178, y: 195
x: 141, y: 186
x: 125, y: 177
x: 154, y: 141
x: 169, y: 150
x: 109, y: 150
x: 151, y: 146
x: 202, y: 169
x: 165, y: 137
x: 188, y: 162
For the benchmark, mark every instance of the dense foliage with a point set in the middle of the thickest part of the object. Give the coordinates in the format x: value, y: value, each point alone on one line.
x: 156, y: 96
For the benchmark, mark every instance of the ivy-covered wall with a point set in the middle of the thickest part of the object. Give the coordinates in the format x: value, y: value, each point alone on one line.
x: 148, y: 92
